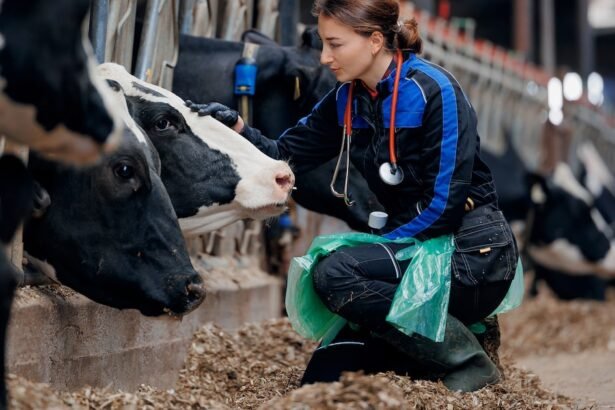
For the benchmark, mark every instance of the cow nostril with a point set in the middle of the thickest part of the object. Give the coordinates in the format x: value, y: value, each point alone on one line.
x: 196, y: 293
x: 285, y: 181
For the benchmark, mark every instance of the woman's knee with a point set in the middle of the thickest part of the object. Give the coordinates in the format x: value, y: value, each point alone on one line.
x: 331, y: 274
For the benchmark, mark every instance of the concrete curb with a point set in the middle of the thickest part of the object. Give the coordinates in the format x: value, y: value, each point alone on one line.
x: 59, y: 337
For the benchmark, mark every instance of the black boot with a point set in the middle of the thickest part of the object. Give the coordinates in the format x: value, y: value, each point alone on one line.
x: 489, y: 339
x: 459, y: 358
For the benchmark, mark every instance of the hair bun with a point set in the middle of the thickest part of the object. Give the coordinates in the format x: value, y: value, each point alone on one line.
x: 408, y: 37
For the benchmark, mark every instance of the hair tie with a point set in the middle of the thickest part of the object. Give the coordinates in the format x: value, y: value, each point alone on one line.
x: 398, y: 27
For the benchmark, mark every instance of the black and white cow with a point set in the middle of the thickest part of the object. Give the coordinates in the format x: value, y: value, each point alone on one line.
x: 599, y: 181
x: 290, y: 81
x: 110, y: 231
x: 50, y: 102
x: 566, y: 237
x: 213, y: 175
x: 49, y: 99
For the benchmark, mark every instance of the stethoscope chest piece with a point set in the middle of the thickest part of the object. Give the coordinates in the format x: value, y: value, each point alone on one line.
x: 390, y: 175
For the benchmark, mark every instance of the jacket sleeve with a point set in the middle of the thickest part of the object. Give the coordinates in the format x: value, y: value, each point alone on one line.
x: 448, y: 150
x: 314, y: 140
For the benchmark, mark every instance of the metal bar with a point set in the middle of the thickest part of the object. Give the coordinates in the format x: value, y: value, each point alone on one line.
x: 587, y: 53
x: 426, y: 5
x: 186, y: 16
x: 524, y: 28
x: 288, y: 21
x: 547, y: 36
x: 99, y: 13
x: 148, y: 39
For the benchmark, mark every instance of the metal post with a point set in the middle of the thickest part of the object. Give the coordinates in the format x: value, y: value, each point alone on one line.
x: 289, y: 19
x: 148, y: 39
x: 186, y: 12
x: 547, y: 36
x: 99, y: 14
x: 586, y: 40
x: 524, y: 28
x: 426, y: 5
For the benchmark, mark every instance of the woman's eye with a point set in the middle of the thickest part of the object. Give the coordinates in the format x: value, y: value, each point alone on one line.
x: 163, y: 124
x: 124, y: 171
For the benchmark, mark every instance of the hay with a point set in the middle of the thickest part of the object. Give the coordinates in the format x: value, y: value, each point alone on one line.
x: 520, y: 390
x: 545, y: 325
x: 260, y: 366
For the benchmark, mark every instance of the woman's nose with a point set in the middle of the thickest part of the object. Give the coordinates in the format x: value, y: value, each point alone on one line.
x: 325, y: 56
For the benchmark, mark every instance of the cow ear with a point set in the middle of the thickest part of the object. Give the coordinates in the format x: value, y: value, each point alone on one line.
x: 16, y: 187
x: 297, y: 78
x: 309, y: 83
x: 256, y: 37
x: 311, y: 39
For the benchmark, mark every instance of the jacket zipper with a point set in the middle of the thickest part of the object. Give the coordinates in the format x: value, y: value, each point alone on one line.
x: 379, y: 130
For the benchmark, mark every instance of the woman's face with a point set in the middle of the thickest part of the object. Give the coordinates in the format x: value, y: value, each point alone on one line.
x: 348, y: 54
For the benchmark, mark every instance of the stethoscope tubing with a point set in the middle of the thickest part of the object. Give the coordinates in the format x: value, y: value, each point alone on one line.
x: 347, y: 132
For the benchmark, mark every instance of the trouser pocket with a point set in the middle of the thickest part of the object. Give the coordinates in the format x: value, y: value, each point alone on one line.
x: 485, y: 251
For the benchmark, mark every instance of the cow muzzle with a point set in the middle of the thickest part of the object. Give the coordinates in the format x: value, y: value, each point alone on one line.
x: 188, y: 296
x: 285, y: 181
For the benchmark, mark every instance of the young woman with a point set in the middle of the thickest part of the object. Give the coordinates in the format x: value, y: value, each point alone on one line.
x: 411, y: 132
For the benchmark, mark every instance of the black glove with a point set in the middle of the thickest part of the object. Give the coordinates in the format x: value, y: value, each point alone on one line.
x: 220, y: 112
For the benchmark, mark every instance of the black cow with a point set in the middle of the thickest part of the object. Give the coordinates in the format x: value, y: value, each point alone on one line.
x: 213, y: 175
x: 110, y: 231
x: 204, y: 73
x: 48, y: 98
x: 48, y: 101
x: 16, y: 188
x: 565, y: 235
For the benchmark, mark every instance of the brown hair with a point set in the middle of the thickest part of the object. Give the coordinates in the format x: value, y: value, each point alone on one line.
x: 368, y: 16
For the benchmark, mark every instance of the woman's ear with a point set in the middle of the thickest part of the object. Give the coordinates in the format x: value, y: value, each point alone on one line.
x: 376, y: 42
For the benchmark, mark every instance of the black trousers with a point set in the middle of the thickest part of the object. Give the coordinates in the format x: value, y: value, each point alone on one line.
x: 359, y: 284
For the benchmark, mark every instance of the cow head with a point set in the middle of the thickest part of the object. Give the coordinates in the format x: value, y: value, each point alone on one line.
x: 567, y: 233
x: 111, y: 233
x: 49, y: 99
x: 213, y: 175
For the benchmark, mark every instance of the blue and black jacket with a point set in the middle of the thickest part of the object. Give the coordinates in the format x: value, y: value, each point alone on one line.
x: 437, y: 147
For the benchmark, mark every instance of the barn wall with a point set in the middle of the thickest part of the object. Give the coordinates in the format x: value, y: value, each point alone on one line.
x: 59, y: 337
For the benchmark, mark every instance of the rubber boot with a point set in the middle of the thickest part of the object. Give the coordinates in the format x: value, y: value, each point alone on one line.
x: 459, y: 357
x: 489, y: 339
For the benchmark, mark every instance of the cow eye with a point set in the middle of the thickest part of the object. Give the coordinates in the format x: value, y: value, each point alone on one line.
x: 163, y: 124
x: 115, y: 86
x: 124, y: 171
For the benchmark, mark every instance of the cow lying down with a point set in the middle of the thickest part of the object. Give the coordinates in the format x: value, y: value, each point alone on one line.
x: 567, y: 238
x: 110, y: 231
x: 213, y: 175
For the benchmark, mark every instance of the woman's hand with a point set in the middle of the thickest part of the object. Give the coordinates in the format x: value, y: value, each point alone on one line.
x: 220, y: 112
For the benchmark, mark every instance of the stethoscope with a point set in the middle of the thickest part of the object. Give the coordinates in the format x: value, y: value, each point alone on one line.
x: 390, y: 172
